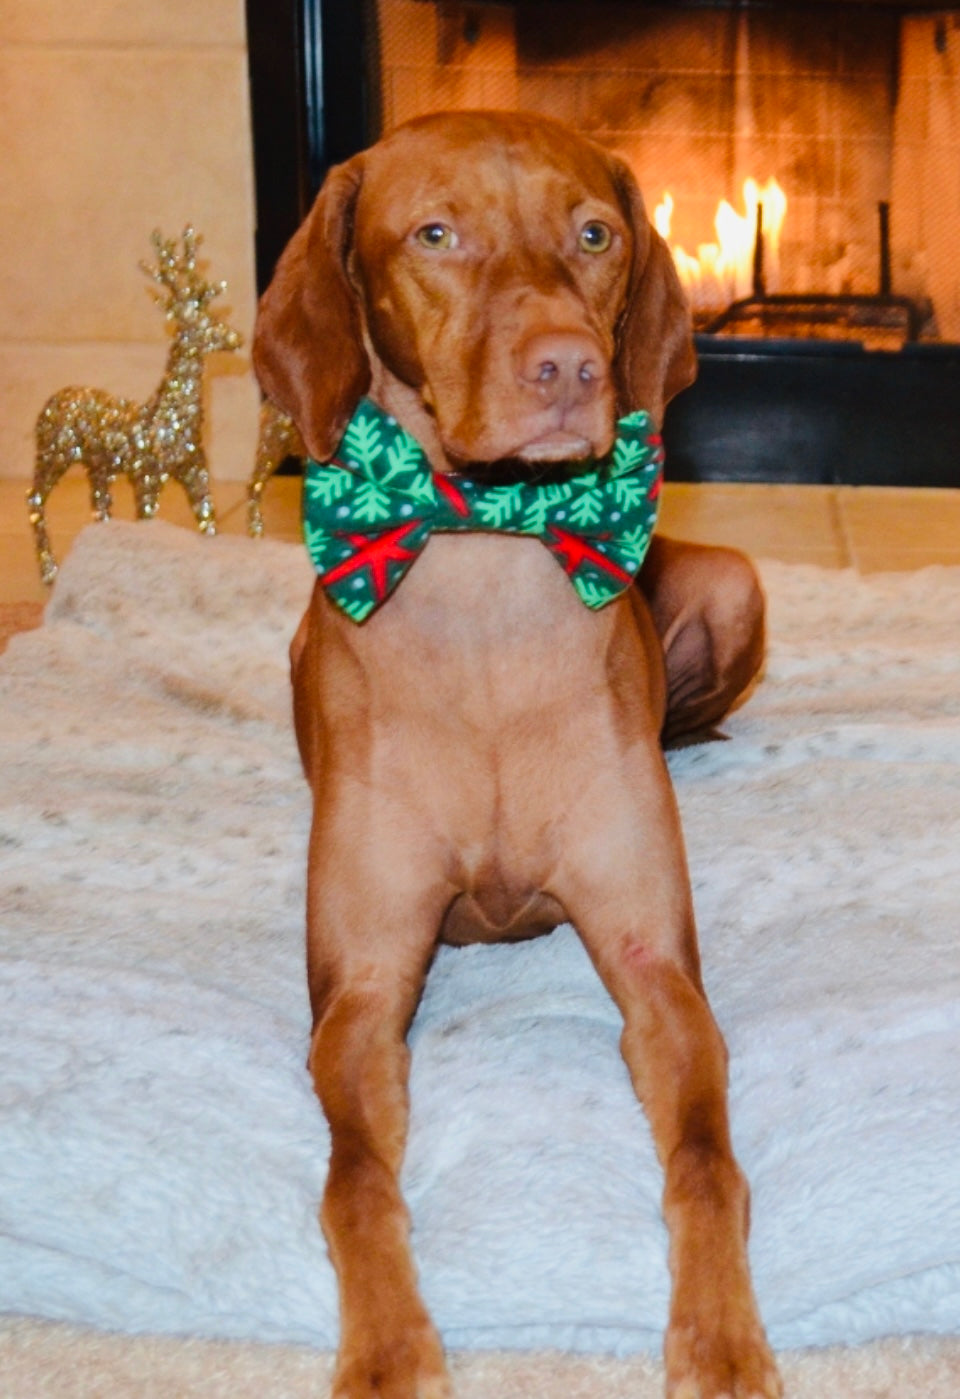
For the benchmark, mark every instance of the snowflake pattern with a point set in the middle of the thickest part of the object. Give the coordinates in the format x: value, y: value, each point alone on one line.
x: 371, y: 503
x: 369, y: 512
x: 498, y: 506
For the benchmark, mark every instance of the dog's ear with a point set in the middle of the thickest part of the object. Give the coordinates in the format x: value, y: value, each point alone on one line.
x: 655, y: 357
x: 308, y: 350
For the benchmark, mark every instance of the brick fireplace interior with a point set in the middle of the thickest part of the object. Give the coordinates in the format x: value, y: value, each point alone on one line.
x: 844, y: 115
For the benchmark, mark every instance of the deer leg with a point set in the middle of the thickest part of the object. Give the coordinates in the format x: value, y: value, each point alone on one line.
x: 145, y: 482
x: 36, y: 500
x: 277, y: 440
x: 254, y: 509
x: 52, y: 461
x: 263, y: 468
x: 54, y: 440
x: 196, y: 483
x: 101, y: 499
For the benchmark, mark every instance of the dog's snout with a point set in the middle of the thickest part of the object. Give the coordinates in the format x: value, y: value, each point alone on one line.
x: 562, y: 367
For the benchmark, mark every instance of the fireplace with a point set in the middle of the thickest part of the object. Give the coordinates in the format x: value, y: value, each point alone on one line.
x: 801, y: 159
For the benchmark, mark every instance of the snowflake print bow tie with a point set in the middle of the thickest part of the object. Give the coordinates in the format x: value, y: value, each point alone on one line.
x: 369, y: 512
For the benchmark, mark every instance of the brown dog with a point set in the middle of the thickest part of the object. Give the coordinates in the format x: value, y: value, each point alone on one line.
x: 485, y: 751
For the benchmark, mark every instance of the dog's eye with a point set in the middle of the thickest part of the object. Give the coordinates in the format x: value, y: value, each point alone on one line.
x: 437, y: 235
x: 595, y: 237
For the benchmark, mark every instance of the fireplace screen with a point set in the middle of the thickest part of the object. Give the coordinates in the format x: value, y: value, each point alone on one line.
x: 802, y: 160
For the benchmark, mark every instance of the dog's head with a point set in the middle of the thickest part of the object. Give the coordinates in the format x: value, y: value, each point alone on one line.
x: 495, y: 272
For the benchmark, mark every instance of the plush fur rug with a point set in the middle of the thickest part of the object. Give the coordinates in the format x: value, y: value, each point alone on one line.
x: 163, y: 1154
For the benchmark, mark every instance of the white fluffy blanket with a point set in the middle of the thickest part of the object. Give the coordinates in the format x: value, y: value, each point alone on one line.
x: 162, y: 1153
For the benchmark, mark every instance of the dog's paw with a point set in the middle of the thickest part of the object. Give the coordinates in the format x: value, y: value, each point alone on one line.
x: 410, y: 1367
x: 721, y: 1362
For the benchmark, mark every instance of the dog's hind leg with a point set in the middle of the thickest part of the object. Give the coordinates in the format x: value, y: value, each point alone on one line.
x: 708, y: 609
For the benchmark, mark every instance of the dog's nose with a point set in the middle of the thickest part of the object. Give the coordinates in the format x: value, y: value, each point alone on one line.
x: 564, y: 367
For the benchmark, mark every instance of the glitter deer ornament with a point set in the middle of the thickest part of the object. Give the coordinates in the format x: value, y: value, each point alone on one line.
x: 147, y: 442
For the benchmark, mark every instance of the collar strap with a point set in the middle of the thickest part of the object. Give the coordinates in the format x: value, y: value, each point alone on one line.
x: 369, y: 511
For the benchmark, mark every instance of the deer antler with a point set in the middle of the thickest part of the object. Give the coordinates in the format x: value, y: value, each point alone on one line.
x: 176, y: 271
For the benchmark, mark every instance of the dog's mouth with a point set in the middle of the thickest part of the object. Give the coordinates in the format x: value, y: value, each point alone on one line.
x: 549, y: 460
x: 549, y: 445
x: 518, y: 471
x: 559, y: 446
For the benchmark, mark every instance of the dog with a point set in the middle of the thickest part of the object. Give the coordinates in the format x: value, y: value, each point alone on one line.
x: 485, y: 751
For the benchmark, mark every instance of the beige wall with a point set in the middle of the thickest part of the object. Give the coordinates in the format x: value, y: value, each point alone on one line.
x: 115, y: 119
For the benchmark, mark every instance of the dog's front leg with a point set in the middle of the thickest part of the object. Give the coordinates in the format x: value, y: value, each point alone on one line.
x: 369, y: 948
x: 634, y: 913
x: 715, y: 1345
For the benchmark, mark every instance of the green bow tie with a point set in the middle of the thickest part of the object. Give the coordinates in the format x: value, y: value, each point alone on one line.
x: 368, y: 513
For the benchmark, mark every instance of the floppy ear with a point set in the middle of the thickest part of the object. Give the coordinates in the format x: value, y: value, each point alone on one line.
x: 308, y: 350
x: 655, y: 357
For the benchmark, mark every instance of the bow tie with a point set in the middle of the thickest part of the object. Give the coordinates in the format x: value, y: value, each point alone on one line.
x: 369, y: 512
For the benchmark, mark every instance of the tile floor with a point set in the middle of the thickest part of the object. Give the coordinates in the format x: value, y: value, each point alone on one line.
x: 864, y: 527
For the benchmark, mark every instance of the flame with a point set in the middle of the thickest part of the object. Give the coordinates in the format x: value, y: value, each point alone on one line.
x: 723, y: 271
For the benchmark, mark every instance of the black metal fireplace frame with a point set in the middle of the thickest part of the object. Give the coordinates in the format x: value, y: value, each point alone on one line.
x: 809, y: 411
x: 310, y: 107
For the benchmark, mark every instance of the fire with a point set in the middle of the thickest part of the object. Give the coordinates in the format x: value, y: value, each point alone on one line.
x: 723, y: 271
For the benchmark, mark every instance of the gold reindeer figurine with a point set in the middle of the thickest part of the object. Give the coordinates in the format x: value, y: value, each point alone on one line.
x: 148, y: 442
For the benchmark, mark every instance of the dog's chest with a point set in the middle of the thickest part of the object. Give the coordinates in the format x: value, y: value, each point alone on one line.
x: 483, y: 706
x: 489, y: 608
